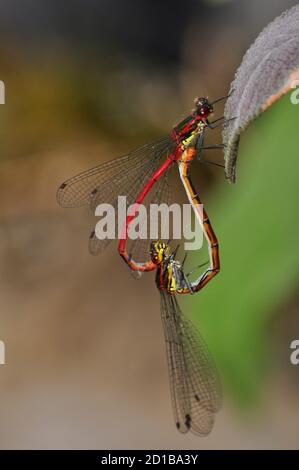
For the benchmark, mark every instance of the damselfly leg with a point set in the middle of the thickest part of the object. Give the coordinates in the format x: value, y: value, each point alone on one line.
x: 203, y: 219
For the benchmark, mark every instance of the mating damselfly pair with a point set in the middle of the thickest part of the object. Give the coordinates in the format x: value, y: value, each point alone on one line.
x: 194, y: 383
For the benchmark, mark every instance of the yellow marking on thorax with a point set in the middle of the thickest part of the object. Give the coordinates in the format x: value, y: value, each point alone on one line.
x: 200, y: 126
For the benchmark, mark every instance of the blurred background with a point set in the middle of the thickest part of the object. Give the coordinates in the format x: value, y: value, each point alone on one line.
x: 87, y: 81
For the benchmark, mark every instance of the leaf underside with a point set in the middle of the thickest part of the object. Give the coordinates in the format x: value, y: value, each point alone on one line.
x: 268, y: 70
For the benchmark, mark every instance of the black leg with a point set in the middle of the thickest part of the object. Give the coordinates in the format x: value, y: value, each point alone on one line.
x: 184, y: 260
x: 212, y: 163
x: 199, y: 144
x: 223, y: 98
x: 197, y: 267
x: 186, y: 280
x: 217, y: 122
x: 173, y: 254
x: 209, y: 147
x: 215, y: 146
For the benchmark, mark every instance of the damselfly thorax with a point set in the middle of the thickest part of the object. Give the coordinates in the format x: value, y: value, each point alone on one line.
x: 185, y: 131
x: 170, y: 275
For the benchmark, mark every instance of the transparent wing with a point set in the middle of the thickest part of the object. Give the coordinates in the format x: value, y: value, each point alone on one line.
x: 83, y: 188
x: 128, y: 184
x: 110, y: 192
x: 194, y: 383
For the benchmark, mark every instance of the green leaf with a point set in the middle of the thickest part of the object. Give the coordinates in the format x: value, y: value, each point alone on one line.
x: 257, y: 226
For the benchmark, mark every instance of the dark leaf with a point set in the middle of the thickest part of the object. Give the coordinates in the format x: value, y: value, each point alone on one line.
x: 268, y: 71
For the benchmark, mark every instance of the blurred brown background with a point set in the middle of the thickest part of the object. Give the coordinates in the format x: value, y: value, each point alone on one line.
x: 85, y: 82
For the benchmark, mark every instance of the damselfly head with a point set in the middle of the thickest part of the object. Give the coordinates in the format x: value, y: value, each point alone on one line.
x: 158, y: 252
x: 203, y: 107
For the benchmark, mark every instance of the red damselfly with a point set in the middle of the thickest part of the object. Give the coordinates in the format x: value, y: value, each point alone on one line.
x: 133, y: 175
